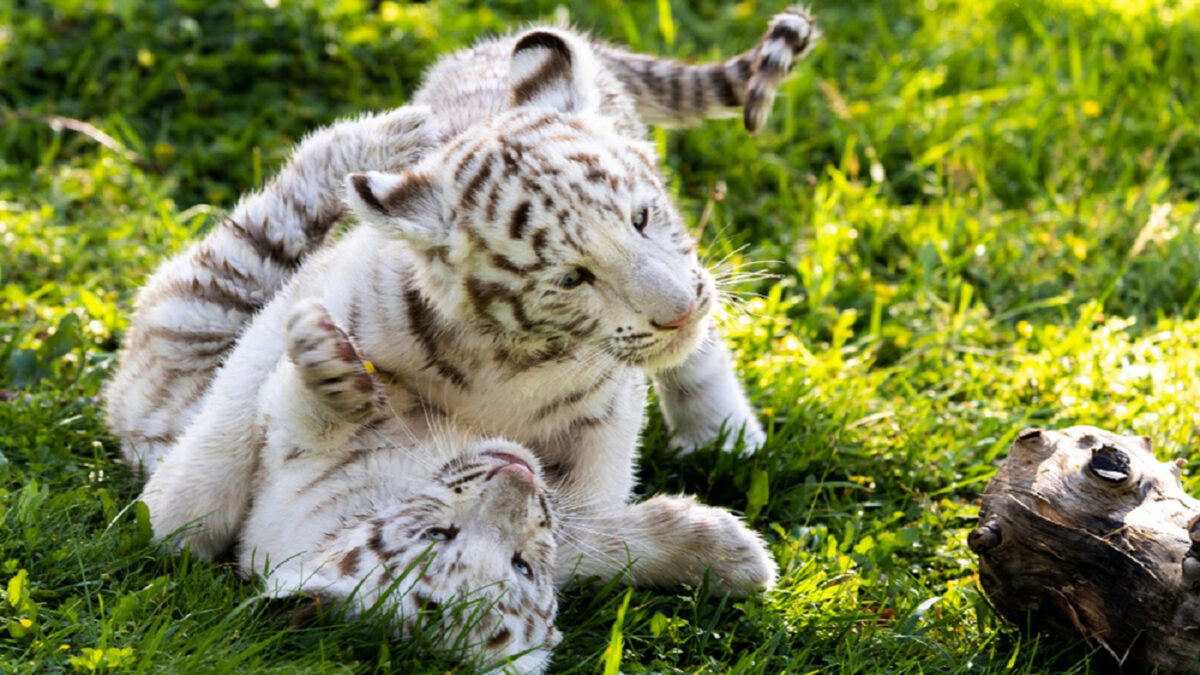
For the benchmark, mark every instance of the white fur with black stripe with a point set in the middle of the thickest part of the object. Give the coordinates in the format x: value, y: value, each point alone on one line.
x: 518, y: 279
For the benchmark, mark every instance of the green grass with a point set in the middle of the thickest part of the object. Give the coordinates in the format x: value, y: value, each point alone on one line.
x: 965, y: 204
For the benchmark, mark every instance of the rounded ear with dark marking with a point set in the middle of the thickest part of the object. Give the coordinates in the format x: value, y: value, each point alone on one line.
x: 407, y: 205
x: 549, y: 71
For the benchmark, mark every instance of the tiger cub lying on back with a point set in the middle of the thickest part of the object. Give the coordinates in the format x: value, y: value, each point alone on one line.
x: 353, y: 503
x: 518, y: 280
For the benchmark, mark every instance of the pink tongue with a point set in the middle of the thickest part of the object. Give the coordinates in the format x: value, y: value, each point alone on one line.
x: 518, y: 467
x: 511, y: 459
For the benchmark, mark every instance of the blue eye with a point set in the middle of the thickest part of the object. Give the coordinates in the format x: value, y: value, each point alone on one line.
x: 640, y: 219
x: 441, y: 533
x: 576, y: 278
x: 521, y: 566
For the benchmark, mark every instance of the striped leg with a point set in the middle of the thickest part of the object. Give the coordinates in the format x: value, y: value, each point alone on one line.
x: 675, y: 93
x: 668, y: 541
x: 193, y: 308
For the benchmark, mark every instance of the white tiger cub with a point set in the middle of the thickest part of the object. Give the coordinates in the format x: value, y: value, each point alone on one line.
x: 191, y: 312
x: 351, y: 504
x: 517, y: 282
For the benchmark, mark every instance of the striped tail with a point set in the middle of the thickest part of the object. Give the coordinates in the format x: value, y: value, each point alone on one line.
x: 673, y: 93
x: 189, y: 314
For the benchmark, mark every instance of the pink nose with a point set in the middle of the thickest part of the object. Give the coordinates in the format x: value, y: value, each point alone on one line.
x: 679, y: 320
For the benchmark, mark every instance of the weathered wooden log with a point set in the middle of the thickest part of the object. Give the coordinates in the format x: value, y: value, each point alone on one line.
x: 1084, y: 531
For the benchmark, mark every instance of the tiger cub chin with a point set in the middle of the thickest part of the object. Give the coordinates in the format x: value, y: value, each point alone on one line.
x: 446, y: 530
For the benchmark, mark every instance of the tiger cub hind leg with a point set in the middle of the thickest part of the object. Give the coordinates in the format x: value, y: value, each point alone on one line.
x: 689, y: 542
x: 668, y: 541
x: 332, y: 367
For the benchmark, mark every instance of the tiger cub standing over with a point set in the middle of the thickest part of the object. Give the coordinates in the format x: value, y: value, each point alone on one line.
x: 518, y: 280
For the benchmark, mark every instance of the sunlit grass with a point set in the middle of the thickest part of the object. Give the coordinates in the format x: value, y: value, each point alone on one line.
x: 964, y: 218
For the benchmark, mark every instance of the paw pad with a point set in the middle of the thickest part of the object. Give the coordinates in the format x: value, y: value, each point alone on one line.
x: 329, y: 363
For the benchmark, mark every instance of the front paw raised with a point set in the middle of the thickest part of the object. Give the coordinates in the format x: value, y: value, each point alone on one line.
x: 329, y: 363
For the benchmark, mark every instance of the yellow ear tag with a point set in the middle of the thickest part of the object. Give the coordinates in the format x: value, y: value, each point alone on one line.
x: 370, y: 367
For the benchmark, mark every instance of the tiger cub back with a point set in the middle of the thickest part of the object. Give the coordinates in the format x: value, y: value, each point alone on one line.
x: 633, y: 89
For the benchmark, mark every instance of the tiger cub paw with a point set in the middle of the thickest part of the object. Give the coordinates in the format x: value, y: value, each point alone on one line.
x: 398, y: 139
x: 739, y: 560
x: 727, y: 433
x: 330, y: 364
x: 790, y: 34
x: 707, y: 542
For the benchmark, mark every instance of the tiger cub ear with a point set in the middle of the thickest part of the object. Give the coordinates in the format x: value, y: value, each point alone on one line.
x: 407, y: 205
x: 550, y: 70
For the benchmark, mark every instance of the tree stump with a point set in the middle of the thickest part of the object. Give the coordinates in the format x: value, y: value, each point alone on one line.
x: 1084, y: 531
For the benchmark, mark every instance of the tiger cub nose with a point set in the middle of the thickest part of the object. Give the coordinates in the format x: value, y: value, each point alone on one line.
x: 679, y: 320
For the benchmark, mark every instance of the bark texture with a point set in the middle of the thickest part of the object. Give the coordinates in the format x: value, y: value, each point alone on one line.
x: 1083, y: 531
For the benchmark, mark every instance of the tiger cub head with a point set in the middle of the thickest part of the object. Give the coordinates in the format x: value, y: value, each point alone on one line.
x: 545, y: 224
x: 467, y: 560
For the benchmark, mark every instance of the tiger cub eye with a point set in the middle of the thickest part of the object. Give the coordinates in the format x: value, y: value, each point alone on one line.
x: 521, y: 566
x: 641, y: 218
x: 576, y: 278
x: 440, y: 533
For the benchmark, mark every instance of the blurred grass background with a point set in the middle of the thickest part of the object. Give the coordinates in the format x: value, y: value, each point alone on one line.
x: 980, y: 214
